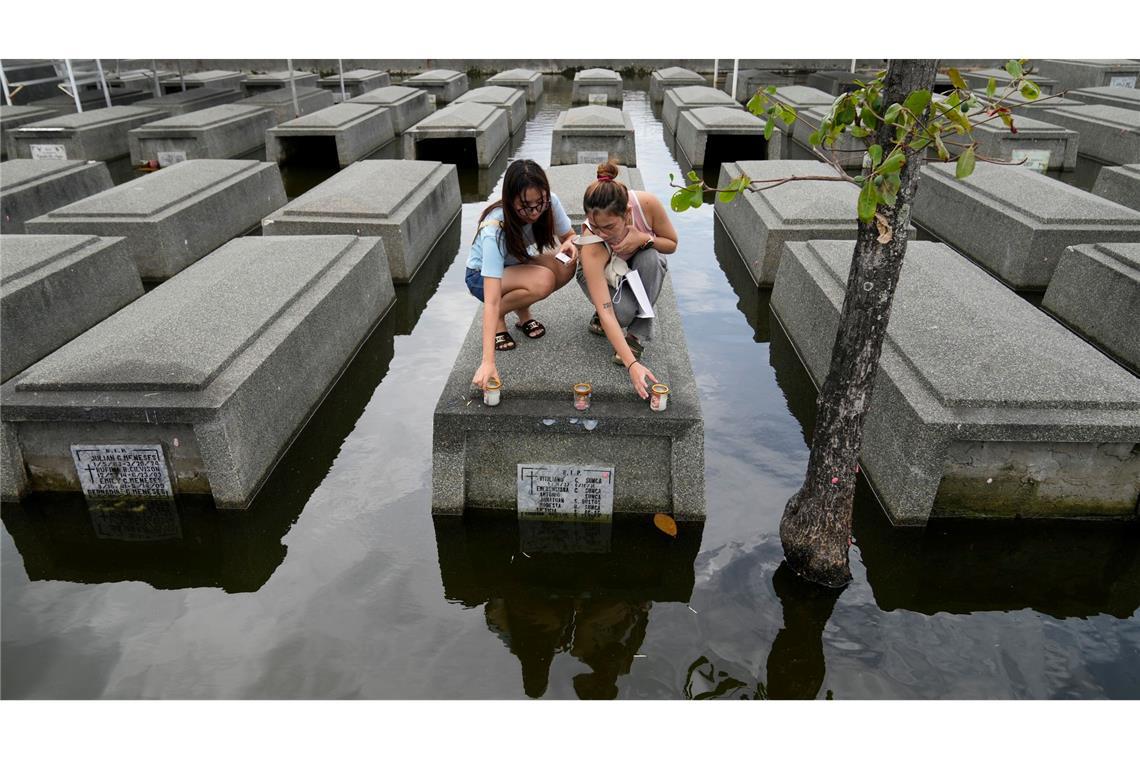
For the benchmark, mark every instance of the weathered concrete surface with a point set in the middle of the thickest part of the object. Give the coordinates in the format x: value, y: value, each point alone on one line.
x: 92, y: 100
x: 356, y: 128
x: 726, y: 134
x: 216, y: 78
x: 142, y: 79
x: 221, y: 366
x: 799, y: 96
x: 444, y: 85
x: 99, y: 135
x: 983, y: 406
x: 356, y: 82
x: 1020, y: 105
x: 226, y: 131
x: 178, y: 103
x: 511, y: 100
x: 674, y: 76
x: 838, y: 82
x: 309, y: 100
x: 1108, y: 134
x: 1119, y: 184
x: 174, y: 217
x: 408, y: 204
x: 486, y: 125
x: 1045, y: 146
x: 1108, y: 96
x: 1096, y: 291
x: 680, y: 99
x: 749, y: 80
x: 848, y: 150
x: 15, y: 116
x: 1074, y: 74
x: 658, y: 458
x: 408, y: 105
x: 591, y: 85
x: 54, y: 287
x: 530, y: 82
x: 29, y: 188
x: 272, y: 80
x: 760, y: 223
x: 569, y: 183
x: 979, y: 80
x: 582, y: 134
x: 1014, y: 221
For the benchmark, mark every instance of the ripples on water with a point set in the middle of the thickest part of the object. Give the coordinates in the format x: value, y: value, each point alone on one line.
x: 338, y: 583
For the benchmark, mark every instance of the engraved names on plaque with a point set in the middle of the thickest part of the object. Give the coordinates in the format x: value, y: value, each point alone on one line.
x: 565, y: 492
x: 111, y: 471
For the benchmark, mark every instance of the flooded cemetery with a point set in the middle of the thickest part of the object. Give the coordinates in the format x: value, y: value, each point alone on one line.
x: 242, y: 455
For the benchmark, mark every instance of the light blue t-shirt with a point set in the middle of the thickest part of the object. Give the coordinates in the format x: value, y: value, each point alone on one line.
x: 489, y: 252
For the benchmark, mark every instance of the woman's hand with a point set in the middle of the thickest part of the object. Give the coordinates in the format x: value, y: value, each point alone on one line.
x: 485, y: 372
x: 632, y: 241
x: 570, y: 250
x: 638, y: 375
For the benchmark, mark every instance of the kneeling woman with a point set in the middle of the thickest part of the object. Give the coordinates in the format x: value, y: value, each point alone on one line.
x: 634, y: 227
x: 506, y: 269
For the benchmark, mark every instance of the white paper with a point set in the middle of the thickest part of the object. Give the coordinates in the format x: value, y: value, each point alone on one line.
x: 645, y: 306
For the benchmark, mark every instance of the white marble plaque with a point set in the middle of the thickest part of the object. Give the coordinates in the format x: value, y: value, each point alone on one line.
x: 1127, y: 82
x: 431, y: 99
x: 565, y: 492
x: 49, y: 152
x: 108, y: 471
x: 1037, y: 160
x: 170, y: 157
x: 593, y: 156
x: 597, y: 98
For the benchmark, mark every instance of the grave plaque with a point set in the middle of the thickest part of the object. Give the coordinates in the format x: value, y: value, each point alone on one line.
x: 1037, y: 160
x: 111, y: 471
x: 593, y: 156
x: 566, y: 492
x: 169, y: 157
x: 1127, y: 82
x: 49, y: 152
x: 139, y: 520
x: 596, y: 99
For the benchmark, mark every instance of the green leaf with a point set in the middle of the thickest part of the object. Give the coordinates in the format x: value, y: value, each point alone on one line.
x: 770, y: 89
x: 917, y: 101
x: 769, y: 128
x: 957, y: 80
x: 756, y: 104
x: 920, y: 143
x: 696, y: 197
x: 1029, y: 90
x: 965, y: 166
x: 670, y: 176
x: 876, y: 152
x: 859, y: 132
x: 727, y: 196
x: 788, y: 115
x: 680, y: 200
x: 694, y: 177
x: 892, y: 113
x: 894, y: 162
x: 953, y: 99
x: 868, y: 200
x: 991, y: 86
x: 1013, y: 68
x: 845, y: 110
x: 815, y: 138
x: 961, y: 123
x: 941, y: 148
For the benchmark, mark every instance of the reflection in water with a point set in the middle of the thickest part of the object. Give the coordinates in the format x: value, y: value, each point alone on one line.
x: 753, y: 301
x: 412, y: 297
x: 302, y: 174
x: 795, y: 664
x: 595, y: 606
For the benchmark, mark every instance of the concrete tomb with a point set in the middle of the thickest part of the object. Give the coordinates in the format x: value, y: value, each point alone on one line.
x: 1075, y: 74
x: 408, y: 204
x: 92, y: 100
x: 272, y: 80
x: 668, y: 78
x: 680, y: 99
x: 591, y: 135
x: 338, y: 134
x: 760, y: 223
x: 215, y: 78
x: 748, y: 81
x: 849, y: 150
x: 476, y: 131
x: 1096, y: 291
x: 232, y: 130
x: 199, y: 386
x: 980, y: 79
x: 1043, y: 146
x: 800, y: 97
x: 140, y: 78
x: 1021, y: 106
x: 356, y: 82
x: 172, y: 218
x: 280, y: 101
x: 838, y: 82
x: 29, y: 188
x: 569, y: 183
x: 15, y: 116
x: 408, y: 105
x: 1014, y: 221
x: 597, y: 87
x: 1118, y: 97
x: 99, y: 135
x: 983, y: 405
x: 530, y: 82
x: 1109, y: 134
x: 1120, y: 184
x: 178, y: 103
x: 444, y: 85
x: 657, y: 457
x: 706, y: 135
x: 511, y: 100
x: 54, y: 287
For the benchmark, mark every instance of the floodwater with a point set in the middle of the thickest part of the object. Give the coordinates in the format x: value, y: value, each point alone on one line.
x: 338, y: 583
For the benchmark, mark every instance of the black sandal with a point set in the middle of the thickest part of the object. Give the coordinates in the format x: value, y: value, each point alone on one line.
x: 504, y: 341
x: 595, y: 325
x: 530, y: 326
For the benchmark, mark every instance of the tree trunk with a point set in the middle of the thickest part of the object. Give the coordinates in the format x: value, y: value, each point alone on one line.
x: 816, y: 527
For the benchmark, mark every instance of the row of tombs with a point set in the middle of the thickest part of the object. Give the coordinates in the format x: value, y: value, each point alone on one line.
x: 984, y: 405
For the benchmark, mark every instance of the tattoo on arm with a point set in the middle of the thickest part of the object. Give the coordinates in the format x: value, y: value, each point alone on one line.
x: 607, y: 305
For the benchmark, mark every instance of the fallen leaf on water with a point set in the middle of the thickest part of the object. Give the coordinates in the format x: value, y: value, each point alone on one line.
x: 665, y: 524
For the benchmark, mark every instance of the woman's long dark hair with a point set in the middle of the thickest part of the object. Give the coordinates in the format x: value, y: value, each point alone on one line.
x: 522, y: 175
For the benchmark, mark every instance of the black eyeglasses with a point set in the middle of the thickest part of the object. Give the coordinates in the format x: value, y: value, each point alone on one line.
x: 541, y: 206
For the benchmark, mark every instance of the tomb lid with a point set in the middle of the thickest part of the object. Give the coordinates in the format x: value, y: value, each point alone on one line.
x: 205, y: 76
x: 492, y: 94
x: 90, y: 119
x: 1123, y: 94
x: 800, y: 96
x: 356, y: 75
x: 597, y: 74
x: 1126, y: 255
x: 593, y: 117
x: 803, y: 202
x: 1124, y: 119
x: 7, y: 113
x: 462, y: 116
x: 522, y: 75
x: 214, y: 116
x: 19, y: 172
x: 28, y: 254
x: 189, y: 96
x: 332, y: 117
x: 390, y: 95
x: 1015, y: 98
x: 679, y: 74
x: 1001, y: 75
x: 1101, y: 63
x: 435, y: 75
x: 712, y: 117
x: 1027, y: 128
x: 701, y: 94
x: 283, y: 95
x: 278, y: 76
x: 569, y: 181
x: 365, y: 190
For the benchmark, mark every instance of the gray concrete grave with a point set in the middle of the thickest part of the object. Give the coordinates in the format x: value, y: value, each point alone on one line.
x: 356, y: 82
x: 444, y: 85
x: 983, y: 406
x: 1074, y: 74
x: 16, y: 116
x: 174, y: 217
x: 1110, y: 135
x: 309, y: 100
x: 590, y: 134
x: 799, y: 97
x: 569, y: 183
x: 231, y: 130
x: 1095, y: 290
x: 1043, y: 146
x: 725, y: 134
x: 668, y: 78
x: 1014, y: 221
x: 29, y: 188
x: 511, y: 100
x: 408, y: 105
x: 354, y: 130
x: 487, y: 127
x: 530, y: 82
x: 142, y: 79
x: 54, y: 287
x: 748, y: 81
x: 272, y: 80
x: 178, y: 103
x: 838, y: 82
x: 1119, y: 184
x: 848, y: 150
x: 92, y: 100
x: 408, y: 204
x: 220, y: 367
x: 979, y: 80
x: 658, y: 458
x: 1020, y: 105
x: 1118, y: 97
x: 215, y: 78
x: 680, y: 99
x: 99, y: 135
x: 600, y: 87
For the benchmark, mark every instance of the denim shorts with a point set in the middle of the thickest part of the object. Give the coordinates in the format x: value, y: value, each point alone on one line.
x: 474, y: 280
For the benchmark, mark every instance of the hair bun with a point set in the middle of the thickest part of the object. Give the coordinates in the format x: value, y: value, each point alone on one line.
x: 608, y: 169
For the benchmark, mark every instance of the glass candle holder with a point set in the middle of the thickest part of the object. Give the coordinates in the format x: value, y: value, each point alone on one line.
x: 492, y: 391
x: 659, y: 397
x: 582, y: 393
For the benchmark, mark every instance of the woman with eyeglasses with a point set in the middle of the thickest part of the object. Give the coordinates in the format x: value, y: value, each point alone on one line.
x: 512, y: 263
x: 631, y: 225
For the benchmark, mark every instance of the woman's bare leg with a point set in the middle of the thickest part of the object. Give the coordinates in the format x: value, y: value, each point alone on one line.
x: 523, y: 286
